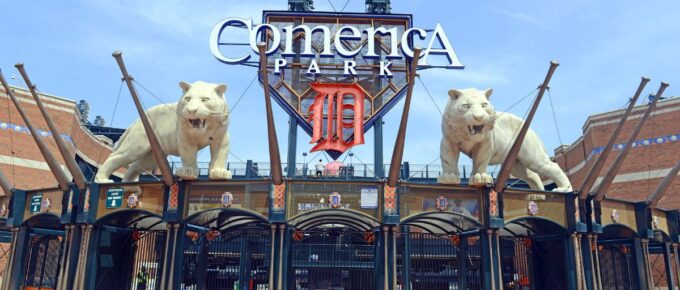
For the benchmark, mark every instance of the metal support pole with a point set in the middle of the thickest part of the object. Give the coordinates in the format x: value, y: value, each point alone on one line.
x: 176, y: 254
x: 292, y: 146
x: 489, y: 259
x: 65, y: 276
x: 575, y: 248
x: 640, y: 265
x: 597, y: 167
x: 69, y: 159
x: 614, y: 168
x: 49, y: 158
x: 588, y: 262
x: 272, y: 258
x: 660, y: 191
x: 596, y: 274
x: 19, y: 250
x: 406, y: 259
x: 156, y: 148
x: 166, y: 252
x: 398, y: 153
x: 667, y: 259
x: 386, y: 283
x: 676, y: 262
x: 282, y: 228
x: 378, y: 162
x: 648, y: 269
x: 510, y: 160
x: 393, y: 247
x: 497, y: 258
x: 274, y: 156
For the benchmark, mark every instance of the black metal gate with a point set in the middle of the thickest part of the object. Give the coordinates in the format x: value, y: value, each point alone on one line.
x: 231, y: 260
x: 533, y: 263
x: 434, y: 262
x: 148, y: 248
x: 472, y: 253
x: 42, y: 261
x: 616, y: 267
x: 333, y: 258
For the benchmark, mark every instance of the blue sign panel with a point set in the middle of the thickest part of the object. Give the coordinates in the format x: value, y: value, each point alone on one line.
x: 114, y: 197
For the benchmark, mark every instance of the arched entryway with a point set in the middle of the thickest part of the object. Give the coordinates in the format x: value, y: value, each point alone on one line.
x: 334, y: 249
x: 616, y: 258
x: 533, y: 254
x: 226, y: 248
x: 439, y: 250
x: 130, y: 246
x: 45, y: 248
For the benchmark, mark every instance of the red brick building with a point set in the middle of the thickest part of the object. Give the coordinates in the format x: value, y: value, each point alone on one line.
x: 655, y: 151
x: 20, y: 159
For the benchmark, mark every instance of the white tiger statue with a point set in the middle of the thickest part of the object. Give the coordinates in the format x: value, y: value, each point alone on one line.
x: 472, y: 126
x: 199, y: 119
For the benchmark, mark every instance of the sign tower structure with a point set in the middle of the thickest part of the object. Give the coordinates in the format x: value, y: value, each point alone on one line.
x: 298, y: 83
x: 335, y: 73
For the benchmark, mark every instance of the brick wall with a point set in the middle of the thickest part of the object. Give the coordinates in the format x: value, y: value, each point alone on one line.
x: 28, y: 169
x: 643, y: 169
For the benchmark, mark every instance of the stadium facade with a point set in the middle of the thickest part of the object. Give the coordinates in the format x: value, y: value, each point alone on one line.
x: 387, y: 229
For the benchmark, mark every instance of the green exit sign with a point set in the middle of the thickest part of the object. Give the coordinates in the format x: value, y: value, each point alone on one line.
x: 36, y: 203
x: 114, y: 197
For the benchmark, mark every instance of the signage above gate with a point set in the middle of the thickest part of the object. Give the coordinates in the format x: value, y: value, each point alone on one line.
x: 335, y: 73
x: 36, y: 203
x: 114, y: 197
x: 330, y: 39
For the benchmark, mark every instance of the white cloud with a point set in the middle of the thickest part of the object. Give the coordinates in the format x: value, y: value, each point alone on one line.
x: 521, y: 16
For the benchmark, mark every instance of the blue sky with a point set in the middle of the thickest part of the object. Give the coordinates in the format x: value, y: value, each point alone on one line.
x: 604, y: 47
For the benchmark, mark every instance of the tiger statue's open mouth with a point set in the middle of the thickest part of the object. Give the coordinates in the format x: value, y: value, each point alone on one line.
x: 197, y: 123
x: 475, y: 129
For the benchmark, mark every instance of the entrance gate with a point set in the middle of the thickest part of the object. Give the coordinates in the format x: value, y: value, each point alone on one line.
x: 42, y: 262
x: 436, y: 263
x: 130, y: 259
x: 533, y: 262
x: 616, y: 267
x: 148, y: 249
x: 233, y: 260
x: 333, y: 258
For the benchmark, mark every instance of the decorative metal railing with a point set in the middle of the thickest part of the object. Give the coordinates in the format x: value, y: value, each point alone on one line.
x: 332, y: 170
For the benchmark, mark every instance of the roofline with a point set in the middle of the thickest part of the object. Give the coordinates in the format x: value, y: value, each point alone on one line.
x: 44, y: 94
x: 614, y: 113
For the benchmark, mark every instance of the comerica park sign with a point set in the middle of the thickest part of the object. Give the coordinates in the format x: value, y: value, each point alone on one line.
x: 337, y: 74
x: 334, y: 44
